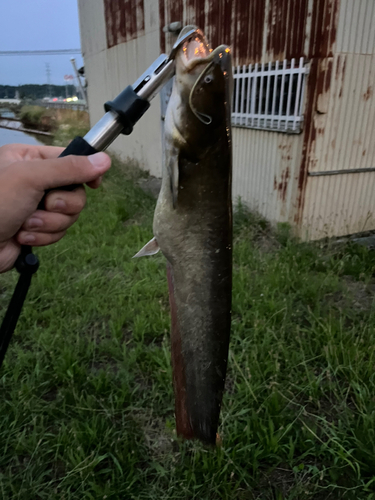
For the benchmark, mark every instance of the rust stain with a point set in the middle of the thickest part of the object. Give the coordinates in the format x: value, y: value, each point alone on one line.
x: 183, y: 426
x: 219, y: 22
x: 197, y: 8
x: 236, y: 23
x: 343, y: 68
x: 342, y: 77
x: 162, y: 24
x: 282, y: 186
x: 316, y: 27
x: 308, y: 139
x: 368, y: 93
x: 169, y: 12
x: 256, y: 28
x: 337, y: 74
x: 286, y: 28
x: 323, y: 28
x: 176, y: 10
x: 328, y: 75
x: 287, y: 147
x: 322, y: 38
x: 364, y: 152
x: 239, y: 24
x: 297, y: 41
x: 323, y: 84
x: 124, y: 20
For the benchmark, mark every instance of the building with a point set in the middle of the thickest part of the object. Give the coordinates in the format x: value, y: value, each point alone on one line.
x: 303, y: 110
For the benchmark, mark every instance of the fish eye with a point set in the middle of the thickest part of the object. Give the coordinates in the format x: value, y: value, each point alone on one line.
x: 207, y: 79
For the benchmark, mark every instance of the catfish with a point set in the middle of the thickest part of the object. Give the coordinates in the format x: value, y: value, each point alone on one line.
x: 193, y: 229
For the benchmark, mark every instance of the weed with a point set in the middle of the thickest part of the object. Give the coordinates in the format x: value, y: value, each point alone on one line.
x: 86, y: 387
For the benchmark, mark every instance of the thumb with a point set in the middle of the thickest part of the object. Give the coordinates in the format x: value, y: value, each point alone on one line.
x: 60, y: 172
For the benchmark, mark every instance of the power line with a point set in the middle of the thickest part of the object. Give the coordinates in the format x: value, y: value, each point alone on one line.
x: 38, y: 52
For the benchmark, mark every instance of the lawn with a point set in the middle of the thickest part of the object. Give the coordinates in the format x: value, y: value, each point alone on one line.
x: 86, y: 392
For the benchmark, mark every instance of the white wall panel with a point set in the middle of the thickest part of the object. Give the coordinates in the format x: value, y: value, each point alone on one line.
x: 92, y: 26
x: 265, y: 169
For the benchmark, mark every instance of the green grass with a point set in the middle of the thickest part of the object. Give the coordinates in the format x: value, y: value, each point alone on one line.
x: 86, y: 394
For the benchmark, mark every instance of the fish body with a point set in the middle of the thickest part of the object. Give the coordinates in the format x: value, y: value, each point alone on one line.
x: 193, y: 228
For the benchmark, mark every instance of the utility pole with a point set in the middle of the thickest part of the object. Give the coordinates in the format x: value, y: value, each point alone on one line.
x: 83, y: 93
x: 48, y: 73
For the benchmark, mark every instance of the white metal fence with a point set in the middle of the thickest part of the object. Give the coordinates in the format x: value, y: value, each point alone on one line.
x: 269, y: 96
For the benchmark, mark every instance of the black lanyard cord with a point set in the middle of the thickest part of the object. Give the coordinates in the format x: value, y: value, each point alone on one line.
x: 27, y: 264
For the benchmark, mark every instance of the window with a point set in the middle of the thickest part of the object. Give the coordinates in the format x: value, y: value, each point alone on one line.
x: 269, y: 96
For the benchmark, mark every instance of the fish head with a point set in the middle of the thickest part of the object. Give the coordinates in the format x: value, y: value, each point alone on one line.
x: 203, y: 88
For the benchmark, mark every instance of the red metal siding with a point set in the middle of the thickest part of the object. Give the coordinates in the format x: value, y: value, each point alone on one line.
x: 219, y: 22
x: 236, y: 23
x: 196, y: 7
x: 286, y: 28
x: 242, y: 24
x: 124, y: 20
x: 323, y: 28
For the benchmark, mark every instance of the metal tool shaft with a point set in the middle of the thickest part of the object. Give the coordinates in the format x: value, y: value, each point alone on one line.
x: 105, y: 131
x: 158, y: 78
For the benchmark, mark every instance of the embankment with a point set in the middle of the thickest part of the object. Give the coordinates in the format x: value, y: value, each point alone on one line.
x: 61, y: 123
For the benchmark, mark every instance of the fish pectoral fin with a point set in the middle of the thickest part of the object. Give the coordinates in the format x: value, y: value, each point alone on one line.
x: 174, y: 176
x: 151, y: 248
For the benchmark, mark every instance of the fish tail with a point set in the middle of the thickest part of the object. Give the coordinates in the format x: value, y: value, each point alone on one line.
x: 183, y: 425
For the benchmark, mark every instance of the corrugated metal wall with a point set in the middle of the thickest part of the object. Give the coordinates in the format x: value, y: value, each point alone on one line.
x: 258, y: 30
x: 271, y: 170
x: 344, y: 132
x: 265, y: 170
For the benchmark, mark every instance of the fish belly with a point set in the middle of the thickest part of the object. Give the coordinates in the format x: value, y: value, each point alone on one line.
x: 200, y: 299
x: 196, y: 239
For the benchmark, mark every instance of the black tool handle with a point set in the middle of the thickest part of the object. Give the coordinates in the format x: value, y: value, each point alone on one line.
x: 78, y: 147
x: 27, y: 264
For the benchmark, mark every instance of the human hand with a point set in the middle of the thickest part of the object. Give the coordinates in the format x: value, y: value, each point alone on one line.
x: 26, y: 172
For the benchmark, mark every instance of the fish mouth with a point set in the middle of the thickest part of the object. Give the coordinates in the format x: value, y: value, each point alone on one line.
x: 195, y: 51
x: 195, y: 59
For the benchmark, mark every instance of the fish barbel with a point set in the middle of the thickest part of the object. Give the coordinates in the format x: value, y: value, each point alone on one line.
x: 193, y: 228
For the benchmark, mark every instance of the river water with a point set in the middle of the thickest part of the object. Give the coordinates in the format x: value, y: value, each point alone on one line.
x: 8, y: 136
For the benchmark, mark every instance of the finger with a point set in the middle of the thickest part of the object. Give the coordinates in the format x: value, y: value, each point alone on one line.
x: 8, y: 255
x: 48, y: 222
x: 96, y: 183
x: 57, y: 172
x: 38, y: 239
x: 66, y: 202
x: 48, y: 152
x: 27, y: 152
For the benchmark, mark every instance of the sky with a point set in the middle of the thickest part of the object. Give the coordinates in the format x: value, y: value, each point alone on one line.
x: 38, y: 25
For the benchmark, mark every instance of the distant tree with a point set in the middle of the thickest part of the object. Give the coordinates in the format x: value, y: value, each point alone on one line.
x: 34, y: 91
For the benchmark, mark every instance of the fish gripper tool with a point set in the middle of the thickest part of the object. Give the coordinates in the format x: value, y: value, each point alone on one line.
x: 121, y: 115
